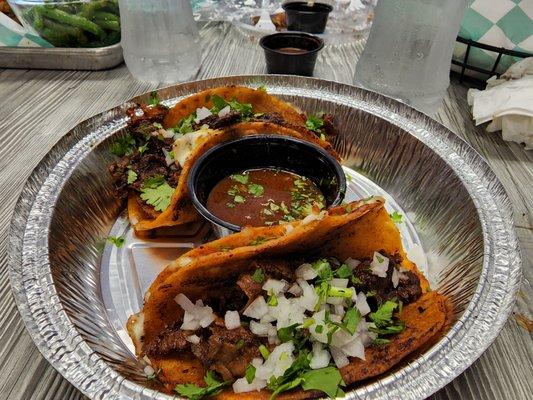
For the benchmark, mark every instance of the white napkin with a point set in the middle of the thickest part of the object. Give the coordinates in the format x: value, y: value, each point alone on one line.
x: 508, y: 103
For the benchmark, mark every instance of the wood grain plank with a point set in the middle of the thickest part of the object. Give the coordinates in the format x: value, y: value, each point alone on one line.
x: 38, y: 107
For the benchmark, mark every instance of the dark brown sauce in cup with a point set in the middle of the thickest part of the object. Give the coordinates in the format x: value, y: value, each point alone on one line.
x: 264, y: 197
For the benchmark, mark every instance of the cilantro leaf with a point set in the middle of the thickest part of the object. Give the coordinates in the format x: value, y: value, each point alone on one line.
x: 272, y: 299
x: 258, y: 276
x: 396, y: 217
x: 256, y: 190
x: 154, y: 98
x: 116, y: 240
x: 123, y: 145
x: 323, y: 269
x: 195, y: 392
x: 262, y: 88
x: 157, y: 192
x: 132, y: 176
x: 241, y: 178
x: 218, y: 103
x: 351, y: 320
x: 383, y: 316
x: 250, y: 373
x: 143, y: 148
x: 340, y: 292
x: 327, y: 380
x: 185, y: 125
x: 314, y: 123
x: 286, y: 334
x: 380, y: 342
x: 390, y: 329
x: 264, y: 351
x: 244, y: 109
x: 239, y: 199
x: 343, y: 272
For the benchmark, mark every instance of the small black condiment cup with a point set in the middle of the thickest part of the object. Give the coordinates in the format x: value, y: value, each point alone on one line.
x: 305, y: 18
x: 263, y: 151
x: 279, y: 62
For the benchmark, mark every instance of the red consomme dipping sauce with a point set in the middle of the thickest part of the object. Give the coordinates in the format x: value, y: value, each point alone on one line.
x: 264, y: 197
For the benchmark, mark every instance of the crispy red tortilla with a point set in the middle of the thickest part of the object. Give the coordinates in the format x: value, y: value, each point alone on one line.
x: 356, y: 231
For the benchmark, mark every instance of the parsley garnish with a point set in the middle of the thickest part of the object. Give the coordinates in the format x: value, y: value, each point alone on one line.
x: 258, y: 276
x: 116, y: 240
x: 314, y: 123
x: 123, y: 145
x: 157, y: 192
x: 241, y: 178
x: 396, y: 217
x: 195, y: 392
x: 132, y: 176
x: 250, y: 373
x: 256, y: 190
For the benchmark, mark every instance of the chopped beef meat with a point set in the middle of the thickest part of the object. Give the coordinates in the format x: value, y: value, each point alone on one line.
x: 277, y: 268
x: 118, y: 171
x: 407, y: 291
x: 169, y: 340
x: 149, y: 114
x: 329, y: 125
x: 216, y: 122
x: 273, y: 118
x: 251, y: 288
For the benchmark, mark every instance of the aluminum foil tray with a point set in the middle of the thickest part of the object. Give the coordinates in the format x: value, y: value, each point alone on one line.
x: 75, y: 292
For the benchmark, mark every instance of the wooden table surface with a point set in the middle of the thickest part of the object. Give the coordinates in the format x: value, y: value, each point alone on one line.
x: 38, y: 107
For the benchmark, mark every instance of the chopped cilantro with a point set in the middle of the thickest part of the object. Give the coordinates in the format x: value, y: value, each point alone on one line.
x: 230, y: 205
x: 323, y: 269
x: 383, y: 316
x: 250, y: 373
x: 132, y: 176
x: 286, y: 334
x: 396, y: 217
x: 264, y: 351
x: 154, y: 99
x: 370, y: 293
x: 157, y: 125
x: 157, y: 192
x: 256, y: 190
x: 272, y: 299
x: 327, y: 380
x: 262, y: 88
x: 239, y: 199
x: 356, y: 281
x: 319, y: 328
x: 258, y: 276
x: 380, y: 342
x: 195, y: 392
x: 241, y: 178
x: 244, y: 109
x: 185, y: 125
x: 390, y: 329
x: 116, y: 240
x: 143, y: 148
x: 308, y: 322
x: 314, y: 123
x: 240, y: 344
x: 348, y: 177
x: 123, y: 145
x: 351, y: 320
x: 340, y: 292
x: 343, y: 272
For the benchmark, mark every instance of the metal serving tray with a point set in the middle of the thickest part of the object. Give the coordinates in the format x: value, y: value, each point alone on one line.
x: 75, y: 292
x: 91, y: 59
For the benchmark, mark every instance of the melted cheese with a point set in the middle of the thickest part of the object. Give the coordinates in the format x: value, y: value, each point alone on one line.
x: 186, y: 144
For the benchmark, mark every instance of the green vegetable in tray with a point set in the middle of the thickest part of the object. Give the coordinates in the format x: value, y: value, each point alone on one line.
x: 77, y: 24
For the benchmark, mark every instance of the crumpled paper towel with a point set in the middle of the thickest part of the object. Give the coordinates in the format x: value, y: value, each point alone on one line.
x: 14, y: 35
x: 508, y: 103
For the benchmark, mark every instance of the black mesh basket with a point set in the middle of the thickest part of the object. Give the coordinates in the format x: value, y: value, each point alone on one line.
x: 500, y: 51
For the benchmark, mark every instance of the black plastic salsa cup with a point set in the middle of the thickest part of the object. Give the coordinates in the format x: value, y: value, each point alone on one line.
x: 305, y: 18
x: 282, y: 62
x: 263, y: 151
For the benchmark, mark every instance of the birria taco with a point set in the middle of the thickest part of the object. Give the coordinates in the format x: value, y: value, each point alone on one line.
x: 161, y: 145
x: 300, y: 310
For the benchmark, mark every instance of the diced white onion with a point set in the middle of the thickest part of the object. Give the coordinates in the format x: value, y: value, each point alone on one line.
x: 232, y: 320
x: 275, y: 285
x: 352, y: 263
x: 339, y: 310
x: 166, y: 133
x: 339, y: 357
x: 295, y: 290
x: 306, y: 271
x: 202, y: 113
x: 309, y: 297
x: 395, y: 278
x: 355, y: 348
x: 260, y: 329
x: 362, y: 304
x: 225, y: 111
x: 335, y: 300
x: 314, y: 217
x: 280, y: 359
x: 339, y: 282
x: 241, y: 385
x: 320, y: 358
x: 257, y: 308
x: 196, y: 315
x: 193, y: 339
x: 379, y: 265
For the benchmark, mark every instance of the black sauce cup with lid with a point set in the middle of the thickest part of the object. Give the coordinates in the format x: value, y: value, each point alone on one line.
x: 263, y: 151
x: 291, y: 53
x: 307, y: 18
